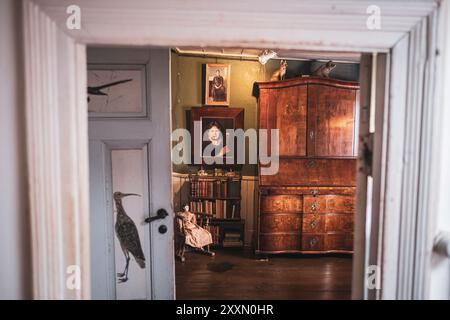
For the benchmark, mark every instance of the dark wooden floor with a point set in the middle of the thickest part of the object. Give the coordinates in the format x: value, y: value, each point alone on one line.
x: 237, y: 275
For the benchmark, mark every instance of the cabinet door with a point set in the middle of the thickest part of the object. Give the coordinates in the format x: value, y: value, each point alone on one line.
x: 331, y: 121
x: 285, y: 109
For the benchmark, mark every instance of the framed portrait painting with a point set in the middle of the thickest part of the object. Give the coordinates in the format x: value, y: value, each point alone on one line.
x: 217, y: 84
x: 213, y: 137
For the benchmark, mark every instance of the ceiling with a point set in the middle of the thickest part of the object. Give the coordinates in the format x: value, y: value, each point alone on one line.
x: 345, y: 57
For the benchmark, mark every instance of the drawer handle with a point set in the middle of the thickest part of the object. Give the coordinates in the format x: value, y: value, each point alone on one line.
x: 311, y: 135
x: 313, y: 224
x: 314, y: 207
x: 314, y: 192
x: 312, y: 242
x: 311, y: 164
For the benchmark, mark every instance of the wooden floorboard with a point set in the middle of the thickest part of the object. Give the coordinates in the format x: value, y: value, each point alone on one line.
x: 235, y: 274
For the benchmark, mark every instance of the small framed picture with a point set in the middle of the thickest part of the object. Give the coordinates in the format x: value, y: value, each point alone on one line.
x: 117, y: 91
x: 217, y: 84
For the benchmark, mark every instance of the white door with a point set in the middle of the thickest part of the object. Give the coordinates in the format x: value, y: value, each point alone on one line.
x: 129, y: 145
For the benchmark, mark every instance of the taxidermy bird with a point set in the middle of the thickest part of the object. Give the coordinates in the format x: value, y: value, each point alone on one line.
x: 128, y: 236
x: 324, y: 70
x: 97, y: 90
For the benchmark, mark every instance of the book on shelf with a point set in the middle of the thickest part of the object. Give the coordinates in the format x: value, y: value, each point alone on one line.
x: 220, y: 209
x: 232, y: 239
x: 215, y: 188
x: 202, y: 207
x: 229, y: 244
x: 232, y: 235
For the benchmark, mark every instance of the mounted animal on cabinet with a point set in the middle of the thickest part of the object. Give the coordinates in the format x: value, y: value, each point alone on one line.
x: 324, y: 70
x: 280, y: 72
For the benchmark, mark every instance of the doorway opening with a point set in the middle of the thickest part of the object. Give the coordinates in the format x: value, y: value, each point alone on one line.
x: 55, y: 71
x: 287, y: 235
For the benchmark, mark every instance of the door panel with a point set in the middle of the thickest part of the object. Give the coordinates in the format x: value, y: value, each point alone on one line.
x: 331, y: 121
x: 291, y: 120
x: 129, y: 175
x: 133, y: 155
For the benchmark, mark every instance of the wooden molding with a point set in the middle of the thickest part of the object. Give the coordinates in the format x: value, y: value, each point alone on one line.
x: 57, y: 113
x: 57, y: 148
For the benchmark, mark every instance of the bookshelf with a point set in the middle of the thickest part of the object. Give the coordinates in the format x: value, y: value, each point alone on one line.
x: 219, y: 196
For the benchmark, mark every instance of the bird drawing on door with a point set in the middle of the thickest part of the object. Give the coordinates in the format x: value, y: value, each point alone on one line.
x: 128, y: 236
x: 98, y: 90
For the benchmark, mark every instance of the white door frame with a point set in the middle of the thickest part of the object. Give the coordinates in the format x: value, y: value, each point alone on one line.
x: 55, y: 66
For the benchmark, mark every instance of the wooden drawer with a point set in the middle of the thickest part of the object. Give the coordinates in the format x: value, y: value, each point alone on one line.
x: 312, y: 242
x: 279, y: 242
x: 339, y: 222
x: 307, y: 191
x: 280, y: 223
x: 313, y: 223
x: 329, y: 204
x: 339, y: 241
x: 281, y: 204
x: 313, y: 172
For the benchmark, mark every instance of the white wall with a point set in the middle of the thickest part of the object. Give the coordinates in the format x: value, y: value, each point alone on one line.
x: 15, y: 275
x: 440, y: 266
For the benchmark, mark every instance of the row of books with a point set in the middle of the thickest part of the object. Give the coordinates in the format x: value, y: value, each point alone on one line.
x: 220, y: 188
x: 232, y: 239
x: 221, y: 209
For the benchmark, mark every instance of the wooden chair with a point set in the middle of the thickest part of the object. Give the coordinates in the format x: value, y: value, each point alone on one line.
x: 203, y: 220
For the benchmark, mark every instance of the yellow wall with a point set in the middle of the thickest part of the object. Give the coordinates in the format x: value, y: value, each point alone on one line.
x: 187, y: 91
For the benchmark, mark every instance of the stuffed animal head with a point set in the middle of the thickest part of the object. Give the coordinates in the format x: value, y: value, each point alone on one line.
x: 330, y: 65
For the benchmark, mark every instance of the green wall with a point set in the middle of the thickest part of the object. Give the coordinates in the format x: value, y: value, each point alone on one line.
x: 187, y: 88
x: 187, y: 92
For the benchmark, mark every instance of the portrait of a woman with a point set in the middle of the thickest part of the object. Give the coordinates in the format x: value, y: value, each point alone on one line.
x: 218, y: 90
x: 217, y: 84
x: 215, y: 133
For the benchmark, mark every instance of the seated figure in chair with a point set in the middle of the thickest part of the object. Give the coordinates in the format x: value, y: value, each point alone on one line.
x: 190, y: 233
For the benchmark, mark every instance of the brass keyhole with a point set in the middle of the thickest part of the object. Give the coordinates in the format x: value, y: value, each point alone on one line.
x: 311, y: 164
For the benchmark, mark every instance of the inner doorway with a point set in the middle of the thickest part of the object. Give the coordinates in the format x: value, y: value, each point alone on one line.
x: 263, y: 253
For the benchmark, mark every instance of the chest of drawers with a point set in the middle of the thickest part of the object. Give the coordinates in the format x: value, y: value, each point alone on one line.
x: 308, y: 206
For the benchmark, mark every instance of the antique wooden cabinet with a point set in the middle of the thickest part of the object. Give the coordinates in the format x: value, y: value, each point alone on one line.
x: 308, y: 206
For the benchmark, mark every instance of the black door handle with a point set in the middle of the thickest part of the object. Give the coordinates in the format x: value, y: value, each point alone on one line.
x: 160, y: 214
